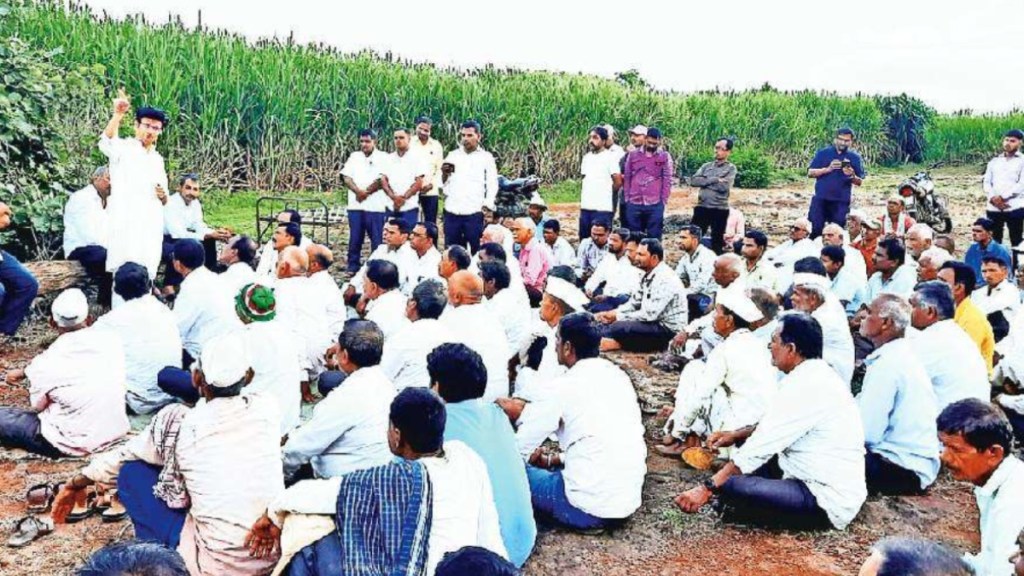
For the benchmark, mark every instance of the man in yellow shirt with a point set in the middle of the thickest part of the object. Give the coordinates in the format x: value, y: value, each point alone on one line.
x: 960, y: 278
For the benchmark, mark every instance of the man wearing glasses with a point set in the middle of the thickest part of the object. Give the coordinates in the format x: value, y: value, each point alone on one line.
x: 715, y: 180
x: 837, y: 170
x: 138, y: 184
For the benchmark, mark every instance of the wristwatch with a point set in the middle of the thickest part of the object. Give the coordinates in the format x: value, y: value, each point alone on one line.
x: 709, y: 484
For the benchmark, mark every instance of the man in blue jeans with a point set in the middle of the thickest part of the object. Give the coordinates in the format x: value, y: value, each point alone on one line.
x: 17, y: 285
x: 647, y: 184
x: 836, y: 169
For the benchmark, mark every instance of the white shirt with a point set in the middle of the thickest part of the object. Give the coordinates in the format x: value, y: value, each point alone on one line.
x: 1001, y: 507
x: 348, y: 429
x: 814, y: 427
x: 333, y: 301
x: 593, y: 410
x: 848, y: 286
x: 952, y: 361
x: 898, y: 408
x: 405, y: 258
x: 405, y: 353
x: 229, y: 454
x: 204, y: 309
x: 402, y: 172
x: 151, y: 341
x: 618, y: 274
x: 786, y: 254
x: 476, y: 326
x: 387, y: 311
x: 534, y: 385
x: 473, y: 185
x: 1005, y: 298
x: 266, y: 268
x: 433, y: 153
x: 513, y: 310
x: 77, y: 386
x: 184, y: 220
x: 838, y: 342
x: 423, y: 268
x: 274, y: 357
x: 1005, y: 177
x: 85, y: 220
x: 133, y: 209
x: 695, y: 271
x: 856, y: 263
x: 563, y: 252
x: 463, y: 503
x: 301, y: 310
x: 363, y: 170
x: 598, y: 169
x: 237, y: 276
x: 736, y: 385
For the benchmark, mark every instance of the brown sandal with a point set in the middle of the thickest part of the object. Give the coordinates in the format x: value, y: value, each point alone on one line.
x: 40, y: 498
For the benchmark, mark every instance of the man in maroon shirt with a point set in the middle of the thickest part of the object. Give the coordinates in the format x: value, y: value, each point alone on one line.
x: 647, y: 184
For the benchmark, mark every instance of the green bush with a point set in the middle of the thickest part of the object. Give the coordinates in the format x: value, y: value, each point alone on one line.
x: 754, y: 168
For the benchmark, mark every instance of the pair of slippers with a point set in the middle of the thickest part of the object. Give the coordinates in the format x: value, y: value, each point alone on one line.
x: 40, y: 499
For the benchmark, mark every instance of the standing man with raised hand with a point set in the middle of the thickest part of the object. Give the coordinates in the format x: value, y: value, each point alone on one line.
x: 647, y: 181
x: 470, y: 178
x: 362, y: 175
x: 138, y: 187
x: 1004, y: 188
x: 433, y: 154
x: 602, y: 179
x: 715, y: 180
x: 403, y: 179
x: 836, y: 169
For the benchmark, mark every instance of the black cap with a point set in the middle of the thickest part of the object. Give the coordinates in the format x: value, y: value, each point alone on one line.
x: 653, y: 133
x: 1015, y: 133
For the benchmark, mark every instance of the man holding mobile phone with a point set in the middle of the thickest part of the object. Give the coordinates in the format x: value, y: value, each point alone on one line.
x: 837, y: 170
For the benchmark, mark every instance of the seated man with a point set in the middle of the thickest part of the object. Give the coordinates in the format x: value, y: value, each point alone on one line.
x: 237, y: 258
x: 615, y: 278
x: 847, y: 287
x: 472, y: 322
x: 960, y: 278
x: 592, y: 250
x: 563, y: 252
x: 919, y: 239
x: 535, y: 259
x: 694, y: 269
x: 811, y: 295
x: 867, y: 244
x: 892, y: 275
x: 732, y: 388
x: 759, y: 271
x: 786, y: 254
x: 18, y: 288
x: 596, y: 480
x: 394, y: 249
x: 897, y: 405
x: 199, y: 468
x: 907, y: 557
x: 896, y: 222
x: 149, y: 334
x: 274, y: 354
x: 283, y: 236
x: 491, y: 251
x: 477, y: 561
x: 329, y: 294
x: 998, y: 298
x: 183, y: 218
x: 453, y: 259
x: 76, y: 388
x: 977, y: 447
x: 423, y: 241
x: 834, y: 235
x: 654, y: 314
x: 511, y: 307
x: 929, y: 263
x: 134, y: 557
x: 348, y: 429
x: 498, y: 233
x: 462, y: 511
x: 458, y: 375
x: 802, y: 466
x: 86, y: 230
x: 385, y: 303
x: 404, y: 361
x: 984, y: 245
x: 950, y: 358
x: 301, y: 309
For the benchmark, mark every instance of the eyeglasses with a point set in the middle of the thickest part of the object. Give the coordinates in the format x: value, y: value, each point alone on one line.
x: 152, y: 127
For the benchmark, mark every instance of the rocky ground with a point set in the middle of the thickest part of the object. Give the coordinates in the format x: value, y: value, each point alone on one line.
x: 658, y: 539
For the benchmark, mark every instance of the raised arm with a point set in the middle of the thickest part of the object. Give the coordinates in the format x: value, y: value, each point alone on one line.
x: 121, y: 106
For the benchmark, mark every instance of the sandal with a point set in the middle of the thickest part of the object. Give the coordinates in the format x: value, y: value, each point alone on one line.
x: 115, y: 511
x: 28, y: 529
x: 82, y: 511
x: 40, y: 498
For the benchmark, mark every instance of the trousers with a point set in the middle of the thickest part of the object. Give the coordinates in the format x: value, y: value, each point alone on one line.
x: 763, y: 498
x: 590, y: 217
x: 428, y: 204
x: 713, y: 221
x: 823, y: 212
x: 178, y: 383
x: 463, y: 229
x: 646, y: 218
x: 884, y: 477
x: 547, y: 493
x: 22, y: 429
x: 636, y: 336
x: 362, y: 224
x: 329, y: 380
x: 609, y: 303
x: 94, y: 260
x: 18, y: 288
x: 152, y: 518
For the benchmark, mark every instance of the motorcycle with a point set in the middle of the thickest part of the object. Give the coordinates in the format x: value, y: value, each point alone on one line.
x: 513, y: 197
x: 923, y: 204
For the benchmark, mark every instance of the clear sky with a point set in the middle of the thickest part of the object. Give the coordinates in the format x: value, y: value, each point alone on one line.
x: 954, y: 54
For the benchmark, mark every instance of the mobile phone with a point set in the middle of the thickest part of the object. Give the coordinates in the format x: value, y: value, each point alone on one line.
x: 847, y: 163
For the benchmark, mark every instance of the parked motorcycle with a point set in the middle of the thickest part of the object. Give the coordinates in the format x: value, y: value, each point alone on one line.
x: 514, y: 195
x: 925, y: 205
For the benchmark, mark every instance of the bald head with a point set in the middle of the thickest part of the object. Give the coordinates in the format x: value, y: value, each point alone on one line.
x: 728, y: 268
x: 292, y: 262
x: 320, y: 258
x: 465, y: 288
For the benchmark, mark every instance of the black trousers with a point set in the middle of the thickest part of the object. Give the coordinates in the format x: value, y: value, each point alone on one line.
x: 884, y: 477
x: 1014, y: 221
x: 636, y: 336
x: 460, y: 230
x: 94, y: 260
x: 713, y: 221
x: 22, y: 429
x: 763, y: 498
x: 429, y: 206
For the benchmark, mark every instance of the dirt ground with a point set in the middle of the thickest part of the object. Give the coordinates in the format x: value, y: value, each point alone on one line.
x: 658, y: 540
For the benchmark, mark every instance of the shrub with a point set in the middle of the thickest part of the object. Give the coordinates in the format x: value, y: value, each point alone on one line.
x: 754, y: 168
